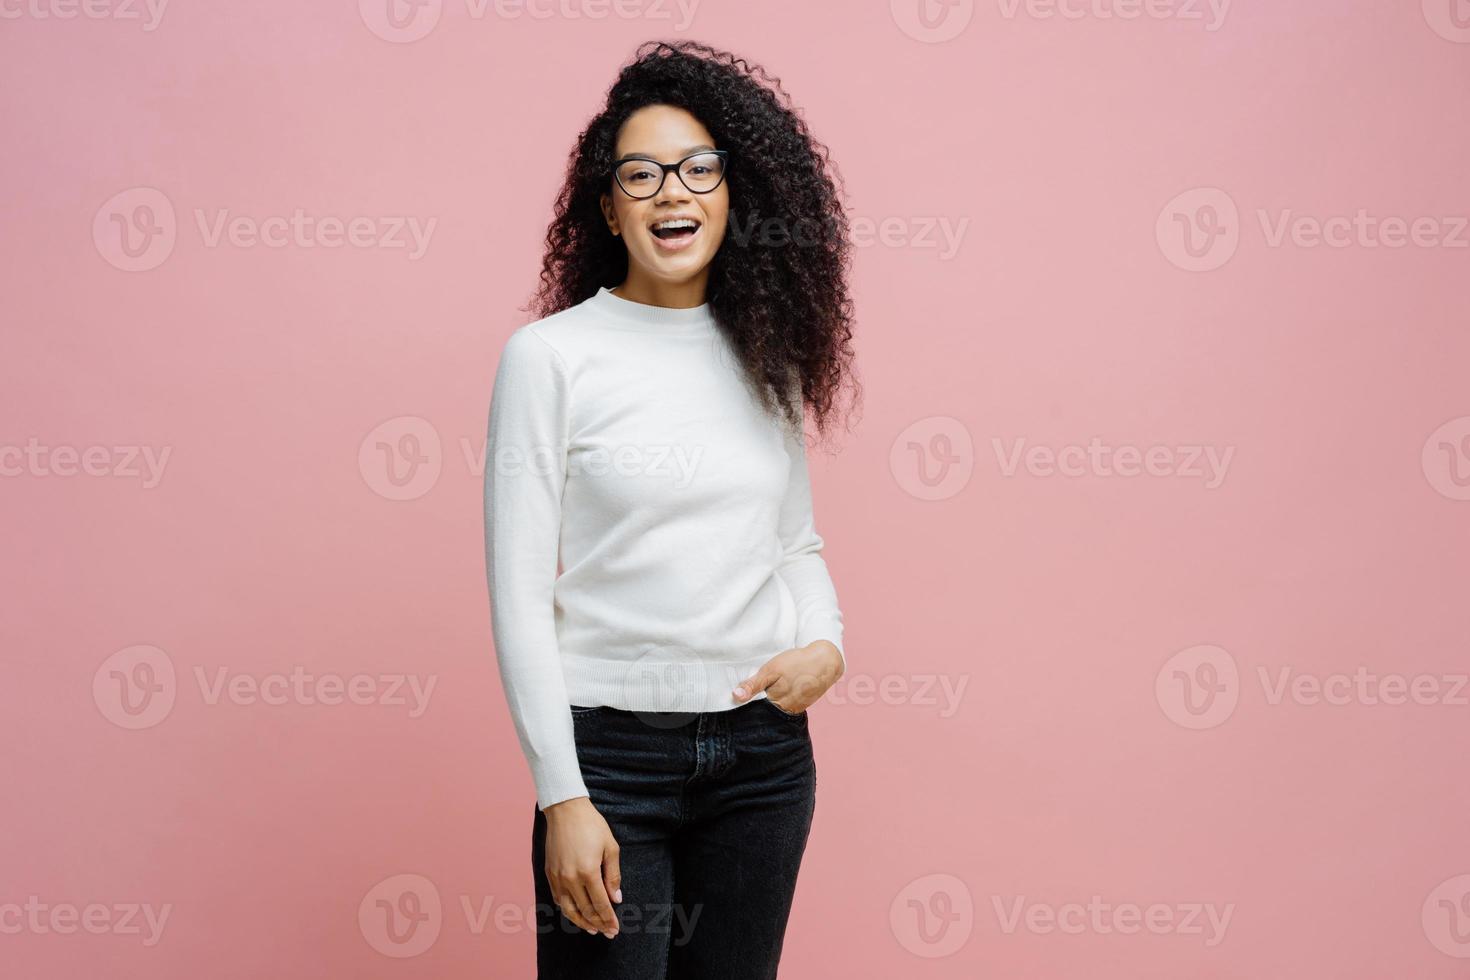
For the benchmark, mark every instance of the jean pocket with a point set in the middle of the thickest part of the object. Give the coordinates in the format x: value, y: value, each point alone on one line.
x: 791, y: 715
x: 580, y: 711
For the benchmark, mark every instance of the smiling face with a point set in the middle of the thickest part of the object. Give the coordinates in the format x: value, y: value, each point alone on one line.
x: 666, y: 260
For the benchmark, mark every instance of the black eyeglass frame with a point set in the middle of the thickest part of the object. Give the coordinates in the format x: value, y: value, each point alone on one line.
x: 672, y: 168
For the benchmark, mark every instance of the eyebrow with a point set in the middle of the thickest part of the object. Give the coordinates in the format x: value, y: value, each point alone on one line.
x: 636, y: 155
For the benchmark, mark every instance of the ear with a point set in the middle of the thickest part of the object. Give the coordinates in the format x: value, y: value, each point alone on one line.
x: 609, y: 214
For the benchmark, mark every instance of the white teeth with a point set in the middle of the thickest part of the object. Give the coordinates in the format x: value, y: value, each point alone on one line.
x: 677, y: 223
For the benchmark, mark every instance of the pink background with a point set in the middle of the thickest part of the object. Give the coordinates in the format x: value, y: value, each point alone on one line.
x: 1077, y: 615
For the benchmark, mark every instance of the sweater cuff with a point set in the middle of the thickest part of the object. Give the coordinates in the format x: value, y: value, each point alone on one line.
x: 557, y: 779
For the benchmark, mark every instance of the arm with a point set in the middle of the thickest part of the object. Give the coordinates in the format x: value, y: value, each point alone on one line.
x: 802, y: 566
x: 525, y: 472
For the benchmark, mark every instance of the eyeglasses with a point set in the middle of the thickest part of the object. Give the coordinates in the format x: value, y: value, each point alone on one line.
x: 701, y: 172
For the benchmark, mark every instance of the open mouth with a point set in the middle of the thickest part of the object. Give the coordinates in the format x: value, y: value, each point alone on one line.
x: 676, y: 230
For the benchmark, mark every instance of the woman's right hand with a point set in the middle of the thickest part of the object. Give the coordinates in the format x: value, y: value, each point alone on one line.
x: 582, y: 865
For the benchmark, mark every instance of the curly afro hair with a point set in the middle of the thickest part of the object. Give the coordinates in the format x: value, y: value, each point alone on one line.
x: 778, y: 283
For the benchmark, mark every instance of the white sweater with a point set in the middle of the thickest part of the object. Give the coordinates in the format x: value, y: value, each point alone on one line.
x: 625, y: 446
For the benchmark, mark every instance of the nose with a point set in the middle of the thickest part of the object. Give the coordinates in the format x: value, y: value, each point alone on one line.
x: 673, y: 189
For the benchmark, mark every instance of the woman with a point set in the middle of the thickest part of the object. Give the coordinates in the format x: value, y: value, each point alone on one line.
x: 645, y: 440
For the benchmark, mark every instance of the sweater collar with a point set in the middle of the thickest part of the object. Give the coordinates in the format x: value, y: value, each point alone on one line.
x: 641, y: 316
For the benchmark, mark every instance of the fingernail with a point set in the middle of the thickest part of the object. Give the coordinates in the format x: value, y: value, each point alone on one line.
x: 609, y: 934
x: 618, y: 895
x: 591, y: 932
x: 740, y: 692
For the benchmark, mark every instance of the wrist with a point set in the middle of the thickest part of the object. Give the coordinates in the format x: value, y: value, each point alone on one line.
x: 831, y: 657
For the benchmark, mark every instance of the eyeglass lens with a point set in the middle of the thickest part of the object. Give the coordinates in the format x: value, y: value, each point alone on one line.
x: 700, y: 173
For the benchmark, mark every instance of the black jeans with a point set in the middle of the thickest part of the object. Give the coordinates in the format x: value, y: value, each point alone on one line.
x: 711, y: 813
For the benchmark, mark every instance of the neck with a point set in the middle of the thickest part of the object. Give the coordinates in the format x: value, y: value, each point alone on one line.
x: 654, y: 292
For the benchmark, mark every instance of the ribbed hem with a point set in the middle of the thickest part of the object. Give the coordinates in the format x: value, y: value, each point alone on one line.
x: 558, y: 778
x: 657, y: 685
x: 641, y: 316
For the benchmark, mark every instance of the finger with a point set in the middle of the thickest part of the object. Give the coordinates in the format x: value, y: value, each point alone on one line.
x: 786, y: 702
x: 585, y: 905
x: 602, y: 911
x: 612, y: 872
x: 758, y: 681
x: 568, y: 908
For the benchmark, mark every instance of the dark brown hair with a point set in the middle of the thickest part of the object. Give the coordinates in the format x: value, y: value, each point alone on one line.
x: 778, y: 293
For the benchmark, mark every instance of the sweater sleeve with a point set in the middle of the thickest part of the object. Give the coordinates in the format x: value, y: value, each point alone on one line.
x: 525, y: 472
x: 802, y: 566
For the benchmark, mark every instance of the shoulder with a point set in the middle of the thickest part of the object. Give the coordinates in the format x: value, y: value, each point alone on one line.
x: 558, y: 336
x: 527, y: 349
